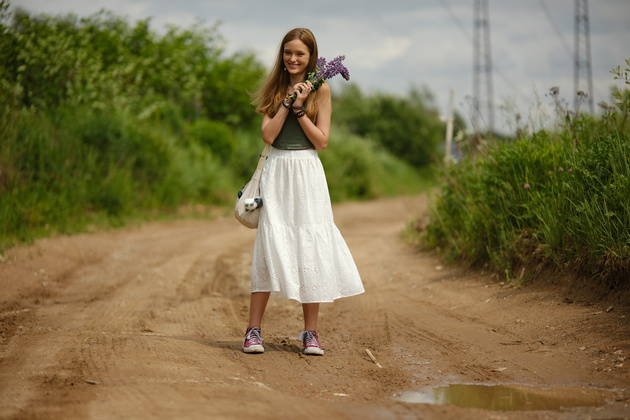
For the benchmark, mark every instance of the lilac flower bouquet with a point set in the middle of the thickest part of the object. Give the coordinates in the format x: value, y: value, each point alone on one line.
x: 326, y: 70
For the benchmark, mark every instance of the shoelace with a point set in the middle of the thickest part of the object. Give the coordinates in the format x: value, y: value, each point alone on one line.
x: 254, y: 334
x: 310, y: 339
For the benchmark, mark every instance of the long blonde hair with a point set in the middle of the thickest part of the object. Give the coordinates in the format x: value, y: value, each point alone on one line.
x: 273, y: 90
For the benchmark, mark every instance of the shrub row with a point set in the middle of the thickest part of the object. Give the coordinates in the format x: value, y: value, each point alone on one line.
x: 554, y: 197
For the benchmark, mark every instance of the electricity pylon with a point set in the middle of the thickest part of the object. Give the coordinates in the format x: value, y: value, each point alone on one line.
x: 482, y: 67
x: 582, y: 70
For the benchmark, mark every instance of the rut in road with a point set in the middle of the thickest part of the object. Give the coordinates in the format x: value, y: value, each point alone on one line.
x: 148, y: 322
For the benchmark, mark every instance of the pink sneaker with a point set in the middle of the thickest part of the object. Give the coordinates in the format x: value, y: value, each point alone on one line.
x: 253, y: 342
x: 311, y: 343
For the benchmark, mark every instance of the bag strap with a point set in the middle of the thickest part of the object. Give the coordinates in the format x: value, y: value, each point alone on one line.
x: 263, y: 156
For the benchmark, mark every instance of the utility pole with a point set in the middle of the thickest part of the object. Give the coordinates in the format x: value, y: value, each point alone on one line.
x: 582, y: 70
x: 482, y: 67
x: 448, y: 157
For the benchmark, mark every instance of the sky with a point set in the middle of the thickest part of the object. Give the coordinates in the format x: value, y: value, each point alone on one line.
x: 395, y: 46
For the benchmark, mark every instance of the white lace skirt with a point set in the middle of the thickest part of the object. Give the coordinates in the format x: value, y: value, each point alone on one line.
x: 299, y: 252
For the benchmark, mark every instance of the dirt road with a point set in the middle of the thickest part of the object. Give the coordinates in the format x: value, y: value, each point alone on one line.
x: 147, y: 323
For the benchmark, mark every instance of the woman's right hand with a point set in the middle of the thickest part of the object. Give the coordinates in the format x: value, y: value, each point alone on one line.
x: 302, y: 91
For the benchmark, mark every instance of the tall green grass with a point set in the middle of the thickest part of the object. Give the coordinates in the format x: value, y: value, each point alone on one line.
x: 554, y: 197
x: 358, y: 168
x: 64, y: 170
x: 68, y: 169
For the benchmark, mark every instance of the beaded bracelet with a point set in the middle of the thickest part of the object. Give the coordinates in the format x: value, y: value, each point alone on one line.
x: 287, y: 104
x: 300, y: 114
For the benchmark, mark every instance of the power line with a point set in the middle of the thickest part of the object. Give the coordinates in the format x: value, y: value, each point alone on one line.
x: 555, y: 28
x: 455, y: 19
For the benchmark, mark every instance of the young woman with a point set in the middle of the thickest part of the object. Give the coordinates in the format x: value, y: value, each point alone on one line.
x: 299, y: 253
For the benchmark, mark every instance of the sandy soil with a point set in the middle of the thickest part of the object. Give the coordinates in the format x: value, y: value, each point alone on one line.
x: 147, y: 322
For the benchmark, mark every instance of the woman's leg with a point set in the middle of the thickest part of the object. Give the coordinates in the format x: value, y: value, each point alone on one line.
x: 257, y: 304
x: 309, y: 336
x: 311, y: 312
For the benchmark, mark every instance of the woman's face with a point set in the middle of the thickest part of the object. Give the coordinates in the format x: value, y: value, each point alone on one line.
x: 296, y: 57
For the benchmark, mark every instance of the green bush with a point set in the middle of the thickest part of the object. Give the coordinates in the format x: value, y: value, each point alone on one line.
x: 104, y: 62
x: 408, y: 127
x: 217, y: 136
x: 553, y: 197
x: 359, y: 169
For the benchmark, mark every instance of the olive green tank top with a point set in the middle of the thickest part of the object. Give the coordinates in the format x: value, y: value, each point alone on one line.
x: 292, y: 136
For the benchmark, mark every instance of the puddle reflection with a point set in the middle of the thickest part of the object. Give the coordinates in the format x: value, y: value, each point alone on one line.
x: 509, y: 397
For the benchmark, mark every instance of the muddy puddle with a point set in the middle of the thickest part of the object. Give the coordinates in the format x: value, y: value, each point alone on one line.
x: 510, y: 397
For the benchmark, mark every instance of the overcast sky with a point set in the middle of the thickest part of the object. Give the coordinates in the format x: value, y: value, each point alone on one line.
x: 394, y: 45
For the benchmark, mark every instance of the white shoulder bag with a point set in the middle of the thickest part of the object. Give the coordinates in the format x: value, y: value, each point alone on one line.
x: 249, y: 201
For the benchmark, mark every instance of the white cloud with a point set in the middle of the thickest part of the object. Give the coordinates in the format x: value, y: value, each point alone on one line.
x: 379, y: 54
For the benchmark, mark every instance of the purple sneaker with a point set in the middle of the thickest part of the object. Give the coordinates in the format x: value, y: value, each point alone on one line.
x: 311, y: 343
x: 253, y: 342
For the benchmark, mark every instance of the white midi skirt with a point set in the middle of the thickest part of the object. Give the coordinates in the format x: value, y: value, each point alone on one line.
x: 299, y: 252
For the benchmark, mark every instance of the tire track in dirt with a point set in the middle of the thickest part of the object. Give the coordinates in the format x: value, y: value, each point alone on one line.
x: 147, y: 323
x: 106, y: 312
x: 183, y: 290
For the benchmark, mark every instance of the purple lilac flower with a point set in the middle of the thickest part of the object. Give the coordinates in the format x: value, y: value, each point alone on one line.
x: 326, y: 70
x: 527, y: 186
x: 570, y: 170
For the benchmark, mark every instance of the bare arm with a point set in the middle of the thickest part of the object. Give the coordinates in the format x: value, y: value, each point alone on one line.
x: 318, y: 133
x: 271, y: 127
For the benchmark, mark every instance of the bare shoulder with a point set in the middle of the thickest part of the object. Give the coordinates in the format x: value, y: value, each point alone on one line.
x: 323, y: 94
x: 325, y: 88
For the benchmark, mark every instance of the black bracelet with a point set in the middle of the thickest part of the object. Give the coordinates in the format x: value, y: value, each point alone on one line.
x: 286, y: 105
x: 300, y: 114
x: 297, y: 107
